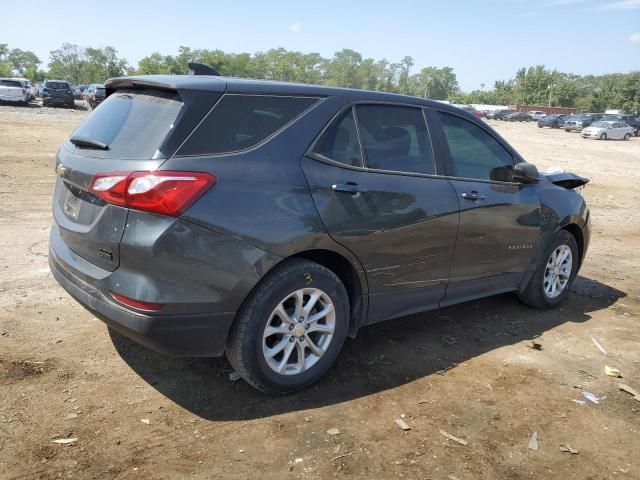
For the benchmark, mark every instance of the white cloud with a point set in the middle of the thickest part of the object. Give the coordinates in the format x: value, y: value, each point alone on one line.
x: 295, y: 27
x: 634, y: 37
x: 621, y: 5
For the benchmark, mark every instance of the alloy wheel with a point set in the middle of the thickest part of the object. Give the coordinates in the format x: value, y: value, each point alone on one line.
x: 299, y: 331
x: 557, y: 271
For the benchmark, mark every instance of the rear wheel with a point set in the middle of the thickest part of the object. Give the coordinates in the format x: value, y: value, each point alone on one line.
x: 603, y: 136
x: 567, y: 129
x: 291, y: 328
x: 556, y: 271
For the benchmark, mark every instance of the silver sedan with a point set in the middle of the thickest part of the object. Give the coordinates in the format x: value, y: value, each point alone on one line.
x: 608, y: 130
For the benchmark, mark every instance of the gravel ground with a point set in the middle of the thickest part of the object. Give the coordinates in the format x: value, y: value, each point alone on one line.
x: 468, y: 370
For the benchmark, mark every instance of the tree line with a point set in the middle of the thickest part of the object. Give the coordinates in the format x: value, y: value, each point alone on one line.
x: 346, y: 68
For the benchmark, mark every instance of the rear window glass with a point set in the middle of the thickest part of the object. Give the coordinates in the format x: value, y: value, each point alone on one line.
x: 101, y: 91
x: 56, y: 85
x: 10, y: 83
x: 239, y: 122
x: 132, y: 123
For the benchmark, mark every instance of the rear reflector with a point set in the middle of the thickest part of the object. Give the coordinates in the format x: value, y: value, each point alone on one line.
x: 162, y: 192
x: 137, y: 304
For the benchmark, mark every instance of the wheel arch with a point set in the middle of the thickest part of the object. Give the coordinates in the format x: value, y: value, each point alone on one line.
x: 577, y: 233
x: 353, y: 282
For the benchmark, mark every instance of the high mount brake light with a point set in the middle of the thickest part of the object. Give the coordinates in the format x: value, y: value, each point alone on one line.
x: 162, y: 192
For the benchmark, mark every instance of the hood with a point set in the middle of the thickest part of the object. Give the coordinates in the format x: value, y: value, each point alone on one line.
x: 566, y: 180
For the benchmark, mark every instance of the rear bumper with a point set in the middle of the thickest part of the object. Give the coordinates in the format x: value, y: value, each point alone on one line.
x: 59, y: 100
x: 10, y: 98
x: 199, y: 335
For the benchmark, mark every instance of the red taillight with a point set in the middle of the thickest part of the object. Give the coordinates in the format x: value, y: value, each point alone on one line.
x: 130, y: 302
x: 161, y: 192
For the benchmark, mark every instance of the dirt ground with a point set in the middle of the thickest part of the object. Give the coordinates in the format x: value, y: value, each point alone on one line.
x: 467, y: 370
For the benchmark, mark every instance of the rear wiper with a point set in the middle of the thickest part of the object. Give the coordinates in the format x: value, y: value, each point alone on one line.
x: 85, y: 142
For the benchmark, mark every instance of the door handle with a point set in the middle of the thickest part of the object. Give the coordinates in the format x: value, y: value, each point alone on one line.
x: 472, y: 195
x: 348, y: 187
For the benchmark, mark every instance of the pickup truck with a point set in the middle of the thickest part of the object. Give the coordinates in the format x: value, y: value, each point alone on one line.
x: 13, y: 91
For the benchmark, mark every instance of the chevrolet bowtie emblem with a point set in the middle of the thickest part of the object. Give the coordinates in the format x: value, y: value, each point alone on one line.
x: 61, y: 170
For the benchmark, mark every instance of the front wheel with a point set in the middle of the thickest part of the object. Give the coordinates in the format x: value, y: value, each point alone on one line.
x: 291, y: 328
x: 555, y: 273
x: 603, y: 136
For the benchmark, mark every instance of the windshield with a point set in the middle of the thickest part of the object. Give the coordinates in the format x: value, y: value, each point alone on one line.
x: 600, y: 124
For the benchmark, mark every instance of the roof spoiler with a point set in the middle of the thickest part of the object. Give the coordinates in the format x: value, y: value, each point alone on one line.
x: 200, y: 69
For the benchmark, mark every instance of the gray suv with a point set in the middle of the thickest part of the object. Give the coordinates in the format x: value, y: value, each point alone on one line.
x: 267, y: 221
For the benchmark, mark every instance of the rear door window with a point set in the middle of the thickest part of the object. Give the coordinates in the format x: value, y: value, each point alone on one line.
x: 131, y: 123
x: 473, y: 152
x: 239, y: 122
x: 340, y: 142
x: 395, y: 138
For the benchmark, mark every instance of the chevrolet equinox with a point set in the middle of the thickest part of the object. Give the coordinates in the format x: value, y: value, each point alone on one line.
x: 268, y: 221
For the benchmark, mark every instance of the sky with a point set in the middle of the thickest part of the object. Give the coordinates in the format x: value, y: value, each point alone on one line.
x: 483, y: 40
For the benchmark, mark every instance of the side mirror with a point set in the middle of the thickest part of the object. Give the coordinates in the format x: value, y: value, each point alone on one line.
x: 524, y: 172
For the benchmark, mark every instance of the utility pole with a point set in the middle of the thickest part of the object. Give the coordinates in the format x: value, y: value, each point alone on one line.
x: 550, y: 88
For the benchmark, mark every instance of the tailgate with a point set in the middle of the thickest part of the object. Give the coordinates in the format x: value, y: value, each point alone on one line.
x: 123, y: 135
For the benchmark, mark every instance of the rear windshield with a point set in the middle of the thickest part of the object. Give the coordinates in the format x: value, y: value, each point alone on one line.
x: 240, y: 122
x: 101, y: 91
x: 57, y: 85
x: 10, y: 83
x: 132, y: 123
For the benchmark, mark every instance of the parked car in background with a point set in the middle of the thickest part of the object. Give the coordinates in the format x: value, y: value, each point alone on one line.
x: 536, y: 114
x: 517, y: 117
x: 630, y: 120
x: 81, y: 89
x: 26, y: 83
x: 209, y: 215
x: 95, y: 94
x: 14, y: 91
x: 500, y: 114
x: 472, y: 110
x: 57, y: 92
x: 578, y: 122
x: 552, y: 121
x: 608, y: 130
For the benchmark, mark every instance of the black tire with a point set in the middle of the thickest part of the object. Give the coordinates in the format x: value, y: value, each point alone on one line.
x: 603, y: 136
x: 539, y: 126
x: 534, y: 295
x: 626, y: 136
x: 567, y: 129
x: 244, y: 344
